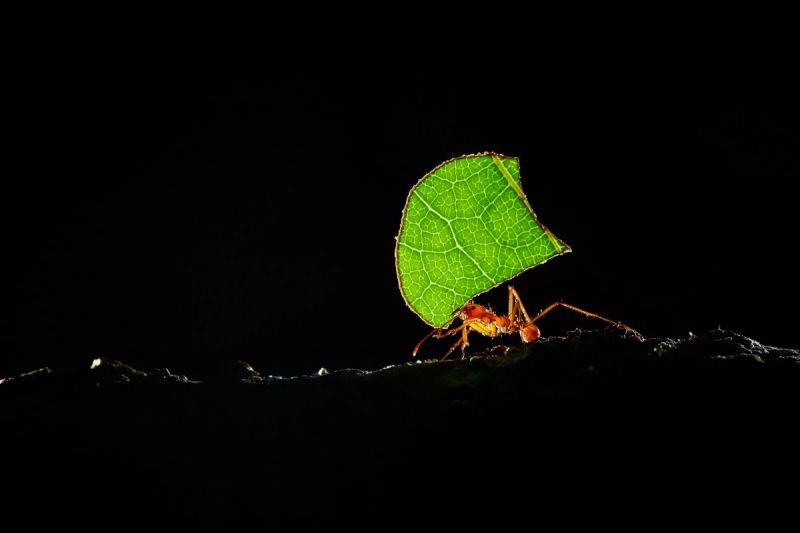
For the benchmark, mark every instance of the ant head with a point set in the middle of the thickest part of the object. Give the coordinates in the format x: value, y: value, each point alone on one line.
x: 471, y: 311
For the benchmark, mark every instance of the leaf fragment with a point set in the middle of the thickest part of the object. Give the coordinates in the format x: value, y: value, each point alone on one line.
x: 466, y: 228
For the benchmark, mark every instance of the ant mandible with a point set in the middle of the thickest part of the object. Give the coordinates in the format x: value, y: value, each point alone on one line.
x: 478, y: 318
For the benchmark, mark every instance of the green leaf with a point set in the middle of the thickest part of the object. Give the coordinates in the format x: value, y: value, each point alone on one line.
x: 467, y: 227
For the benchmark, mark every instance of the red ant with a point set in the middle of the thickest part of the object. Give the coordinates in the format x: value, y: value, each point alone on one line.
x: 478, y: 318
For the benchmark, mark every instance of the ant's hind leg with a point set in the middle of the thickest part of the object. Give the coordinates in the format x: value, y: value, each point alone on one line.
x: 583, y: 312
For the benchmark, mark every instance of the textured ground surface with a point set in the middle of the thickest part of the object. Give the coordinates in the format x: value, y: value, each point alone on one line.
x: 584, y: 427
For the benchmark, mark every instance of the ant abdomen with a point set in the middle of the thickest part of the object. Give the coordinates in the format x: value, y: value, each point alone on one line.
x: 530, y: 332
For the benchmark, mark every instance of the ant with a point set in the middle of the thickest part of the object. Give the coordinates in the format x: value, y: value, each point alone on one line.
x: 480, y: 319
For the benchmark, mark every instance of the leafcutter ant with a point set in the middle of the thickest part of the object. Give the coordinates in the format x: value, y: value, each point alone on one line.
x: 481, y: 320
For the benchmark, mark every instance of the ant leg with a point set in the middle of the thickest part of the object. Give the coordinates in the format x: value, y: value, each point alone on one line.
x: 583, y: 312
x: 439, y: 334
x: 473, y: 324
x: 515, y: 306
x: 463, y: 341
x: 458, y: 343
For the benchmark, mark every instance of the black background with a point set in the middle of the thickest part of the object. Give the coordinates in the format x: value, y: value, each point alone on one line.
x: 191, y: 223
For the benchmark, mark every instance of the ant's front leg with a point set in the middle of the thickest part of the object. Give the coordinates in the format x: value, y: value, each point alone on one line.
x: 459, y: 342
x: 477, y: 325
x: 439, y: 334
x: 466, y: 327
x: 472, y: 324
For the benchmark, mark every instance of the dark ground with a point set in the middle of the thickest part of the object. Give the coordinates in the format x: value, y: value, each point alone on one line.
x: 598, y: 427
